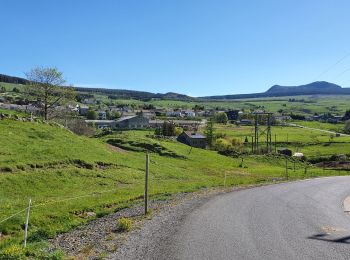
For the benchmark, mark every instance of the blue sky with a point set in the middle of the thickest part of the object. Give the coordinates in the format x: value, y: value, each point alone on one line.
x: 187, y: 46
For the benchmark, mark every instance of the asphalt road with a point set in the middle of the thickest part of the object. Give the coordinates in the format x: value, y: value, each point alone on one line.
x: 317, y: 129
x: 299, y: 220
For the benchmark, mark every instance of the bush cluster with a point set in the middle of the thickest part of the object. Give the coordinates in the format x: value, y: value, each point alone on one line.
x: 124, y: 225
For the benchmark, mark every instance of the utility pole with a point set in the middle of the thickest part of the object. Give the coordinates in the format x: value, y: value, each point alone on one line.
x: 294, y: 165
x: 146, y: 184
x: 275, y: 143
x: 252, y: 145
x: 256, y: 133
x: 268, y: 133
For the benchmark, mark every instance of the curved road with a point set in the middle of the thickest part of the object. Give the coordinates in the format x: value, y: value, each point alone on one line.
x: 299, y: 220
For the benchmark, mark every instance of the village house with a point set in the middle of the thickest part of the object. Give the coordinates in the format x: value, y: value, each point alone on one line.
x: 83, y: 110
x: 189, y: 113
x: 200, y: 113
x: 176, y: 113
x: 185, y: 124
x: 101, y: 115
x: 149, y: 114
x: 101, y: 124
x: 193, y: 139
x: 245, y: 122
x: 89, y: 101
x: 233, y: 115
x: 282, y: 118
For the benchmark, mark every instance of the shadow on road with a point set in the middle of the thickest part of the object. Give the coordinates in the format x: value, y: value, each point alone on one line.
x: 326, y: 237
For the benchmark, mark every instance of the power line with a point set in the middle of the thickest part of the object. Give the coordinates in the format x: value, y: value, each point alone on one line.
x: 332, y: 66
x: 343, y: 72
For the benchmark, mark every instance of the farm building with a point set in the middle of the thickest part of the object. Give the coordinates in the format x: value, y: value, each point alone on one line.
x: 83, y: 110
x: 123, y: 123
x: 192, y: 139
x: 132, y: 122
x: 233, y: 114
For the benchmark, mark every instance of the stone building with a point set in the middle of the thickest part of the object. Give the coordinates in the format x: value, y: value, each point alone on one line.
x: 193, y: 139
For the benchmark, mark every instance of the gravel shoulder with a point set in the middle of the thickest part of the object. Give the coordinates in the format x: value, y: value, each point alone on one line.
x: 150, y: 236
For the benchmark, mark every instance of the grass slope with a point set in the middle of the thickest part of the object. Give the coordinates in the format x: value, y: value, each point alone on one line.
x: 68, y: 176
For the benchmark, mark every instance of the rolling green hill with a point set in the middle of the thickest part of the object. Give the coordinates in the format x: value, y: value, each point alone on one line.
x: 67, y: 176
x: 314, y: 88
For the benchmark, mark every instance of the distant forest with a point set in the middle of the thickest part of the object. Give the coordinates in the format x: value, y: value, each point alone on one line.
x: 13, y: 80
x: 112, y: 93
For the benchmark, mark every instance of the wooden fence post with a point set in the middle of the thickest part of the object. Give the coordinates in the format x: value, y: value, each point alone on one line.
x: 27, y: 223
x: 146, y: 184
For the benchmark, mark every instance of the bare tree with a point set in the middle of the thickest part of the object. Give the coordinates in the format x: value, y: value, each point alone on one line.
x: 47, y: 87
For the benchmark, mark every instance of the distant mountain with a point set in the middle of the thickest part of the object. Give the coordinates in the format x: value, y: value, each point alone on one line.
x: 113, y: 93
x: 318, y: 87
x: 315, y: 88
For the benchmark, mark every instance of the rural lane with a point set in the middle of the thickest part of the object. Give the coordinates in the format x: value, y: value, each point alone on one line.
x: 297, y: 220
x: 317, y: 129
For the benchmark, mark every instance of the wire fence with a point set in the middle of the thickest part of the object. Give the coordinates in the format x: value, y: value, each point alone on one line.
x: 56, y: 201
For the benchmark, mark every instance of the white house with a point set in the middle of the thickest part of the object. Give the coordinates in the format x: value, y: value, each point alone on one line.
x: 189, y: 113
x: 172, y: 113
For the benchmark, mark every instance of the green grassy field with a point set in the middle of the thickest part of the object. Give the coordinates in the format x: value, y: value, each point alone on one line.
x: 304, y: 105
x: 310, y: 105
x: 320, y: 125
x: 312, y: 143
x: 67, y: 176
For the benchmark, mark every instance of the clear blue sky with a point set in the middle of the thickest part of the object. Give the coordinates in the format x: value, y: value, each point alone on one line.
x: 196, y: 47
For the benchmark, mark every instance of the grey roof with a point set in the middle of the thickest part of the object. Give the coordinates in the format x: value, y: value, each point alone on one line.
x: 195, y: 135
x: 100, y: 121
x: 125, y: 118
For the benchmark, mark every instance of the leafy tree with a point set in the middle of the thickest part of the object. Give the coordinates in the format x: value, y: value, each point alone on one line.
x: 2, y: 89
x: 46, y: 86
x: 347, y: 127
x: 221, y: 118
x: 16, y: 90
x: 91, y: 114
x: 168, y: 129
x: 210, y: 132
x: 109, y: 115
x: 347, y: 115
x: 148, y: 106
x: 198, y: 108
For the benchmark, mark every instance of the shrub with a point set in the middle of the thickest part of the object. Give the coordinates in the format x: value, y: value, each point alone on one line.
x: 347, y: 127
x: 91, y: 114
x: 124, y: 225
x: 79, y: 127
x: 38, y: 235
x: 12, y: 252
x: 221, y: 118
